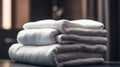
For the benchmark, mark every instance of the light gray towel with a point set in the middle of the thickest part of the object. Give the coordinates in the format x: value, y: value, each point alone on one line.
x: 37, y: 36
x: 40, y: 55
x: 62, y: 25
x: 86, y: 32
x: 82, y: 39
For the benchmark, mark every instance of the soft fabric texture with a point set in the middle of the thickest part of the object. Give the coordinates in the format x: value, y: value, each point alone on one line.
x: 48, y: 55
x: 37, y: 36
x: 82, y: 39
x: 32, y: 54
x: 86, y: 32
x: 82, y: 47
x: 62, y: 25
x: 59, y: 43
x: 77, y: 55
x: 82, y: 62
x: 88, y: 24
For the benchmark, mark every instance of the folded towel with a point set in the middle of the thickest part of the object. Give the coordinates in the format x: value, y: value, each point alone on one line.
x: 62, y: 25
x: 82, y: 39
x: 82, y: 62
x: 43, y: 55
x: 33, y: 54
x: 77, y: 55
x: 37, y: 36
x: 88, y: 24
x: 86, y: 32
x: 82, y: 47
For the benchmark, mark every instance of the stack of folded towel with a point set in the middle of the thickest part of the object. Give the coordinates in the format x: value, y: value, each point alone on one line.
x: 60, y: 43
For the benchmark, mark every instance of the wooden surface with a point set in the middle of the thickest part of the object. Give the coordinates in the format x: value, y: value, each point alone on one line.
x: 9, y: 63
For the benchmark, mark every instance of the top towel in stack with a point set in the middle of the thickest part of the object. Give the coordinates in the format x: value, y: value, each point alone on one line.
x: 60, y: 43
x: 63, y: 25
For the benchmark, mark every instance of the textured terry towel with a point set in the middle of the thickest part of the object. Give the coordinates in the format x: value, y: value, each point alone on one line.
x: 62, y: 25
x: 82, y: 47
x: 43, y: 55
x: 86, y: 32
x: 82, y: 39
x: 82, y: 62
x: 77, y: 55
x: 37, y: 36
x: 88, y: 24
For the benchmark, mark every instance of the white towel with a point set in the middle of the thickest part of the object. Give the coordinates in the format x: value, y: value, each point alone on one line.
x: 88, y: 24
x: 46, y: 24
x: 32, y: 54
x: 62, y: 25
x: 37, y: 36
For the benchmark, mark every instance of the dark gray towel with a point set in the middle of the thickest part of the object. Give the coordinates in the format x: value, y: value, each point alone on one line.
x: 82, y: 47
x: 62, y: 57
x: 86, y: 32
x: 81, y: 39
x: 82, y: 62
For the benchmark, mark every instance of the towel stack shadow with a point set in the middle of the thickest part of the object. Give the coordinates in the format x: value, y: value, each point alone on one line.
x: 60, y: 43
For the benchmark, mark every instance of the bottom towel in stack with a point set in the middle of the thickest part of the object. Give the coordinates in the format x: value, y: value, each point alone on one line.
x: 58, y: 55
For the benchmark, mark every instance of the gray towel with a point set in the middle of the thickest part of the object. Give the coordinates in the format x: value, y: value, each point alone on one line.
x: 82, y: 62
x: 37, y: 36
x: 81, y: 39
x: 86, y: 32
x: 62, y: 57
x: 62, y: 25
x: 40, y: 55
x: 82, y: 47
x: 68, y: 42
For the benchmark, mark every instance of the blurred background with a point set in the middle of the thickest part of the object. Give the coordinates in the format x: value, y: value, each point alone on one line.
x: 14, y: 13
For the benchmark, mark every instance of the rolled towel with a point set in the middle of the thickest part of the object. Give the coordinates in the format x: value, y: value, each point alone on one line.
x: 82, y: 39
x: 43, y: 55
x: 37, y: 36
x: 62, y: 25
x: 86, y: 32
